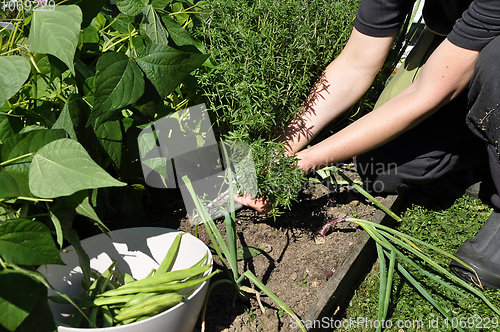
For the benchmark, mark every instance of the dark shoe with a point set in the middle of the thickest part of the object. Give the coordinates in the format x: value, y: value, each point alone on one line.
x: 482, y: 254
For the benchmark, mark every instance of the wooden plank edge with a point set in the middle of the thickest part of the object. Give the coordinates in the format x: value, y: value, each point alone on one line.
x: 335, y: 297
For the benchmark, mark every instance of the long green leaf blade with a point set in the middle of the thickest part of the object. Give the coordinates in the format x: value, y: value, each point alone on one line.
x: 273, y: 297
x: 425, y: 294
x: 382, y: 282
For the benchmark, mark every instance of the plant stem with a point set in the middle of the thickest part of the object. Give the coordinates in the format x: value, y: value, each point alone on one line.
x: 36, y: 200
x: 364, y: 192
x: 134, y: 33
x: 16, y: 158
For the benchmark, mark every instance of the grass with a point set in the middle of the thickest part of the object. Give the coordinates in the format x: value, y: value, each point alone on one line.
x: 440, y: 215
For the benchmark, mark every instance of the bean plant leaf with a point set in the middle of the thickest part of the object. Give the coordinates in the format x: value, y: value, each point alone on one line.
x: 110, y: 136
x: 72, y: 117
x: 178, y: 34
x: 27, y: 242
x: 40, y: 318
x: 63, y: 167
x: 56, y: 32
x: 9, y: 125
x: 16, y: 172
x: 119, y: 82
x: 11, y: 185
x: 80, y: 201
x: 18, y: 296
x: 166, y: 66
x: 24, y: 143
x: 146, y: 142
x: 90, y: 9
x: 152, y: 27
x: 130, y: 7
x: 160, y: 3
x: 14, y: 71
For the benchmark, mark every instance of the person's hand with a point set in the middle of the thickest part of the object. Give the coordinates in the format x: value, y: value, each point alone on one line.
x: 261, y: 205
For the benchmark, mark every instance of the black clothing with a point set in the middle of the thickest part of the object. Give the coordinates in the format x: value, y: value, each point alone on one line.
x: 442, y: 143
x: 468, y: 24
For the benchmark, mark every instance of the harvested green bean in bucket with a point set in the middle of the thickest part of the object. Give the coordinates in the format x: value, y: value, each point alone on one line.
x: 144, y: 279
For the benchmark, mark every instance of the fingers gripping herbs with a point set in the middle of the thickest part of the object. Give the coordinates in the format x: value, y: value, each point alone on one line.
x: 117, y: 299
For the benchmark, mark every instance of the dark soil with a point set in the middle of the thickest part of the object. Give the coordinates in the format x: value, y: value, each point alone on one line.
x: 296, y: 263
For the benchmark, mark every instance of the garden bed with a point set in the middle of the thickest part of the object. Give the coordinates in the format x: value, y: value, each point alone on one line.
x: 304, y: 269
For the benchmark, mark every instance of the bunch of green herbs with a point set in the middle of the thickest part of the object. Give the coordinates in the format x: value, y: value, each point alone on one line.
x: 266, y: 55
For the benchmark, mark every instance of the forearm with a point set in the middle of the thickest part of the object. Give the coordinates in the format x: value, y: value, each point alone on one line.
x: 342, y: 83
x: 445, y: 75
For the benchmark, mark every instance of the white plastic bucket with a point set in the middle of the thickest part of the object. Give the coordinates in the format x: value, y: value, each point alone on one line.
x: 138, y: 251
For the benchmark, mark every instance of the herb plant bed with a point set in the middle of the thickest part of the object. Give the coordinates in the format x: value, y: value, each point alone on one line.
x: 298, y: 265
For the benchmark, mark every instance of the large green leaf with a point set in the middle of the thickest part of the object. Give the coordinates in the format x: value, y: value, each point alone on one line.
x: 146, y: 142
x: 151, y: 26
x: 12, y: 185
x: 16, y: 172
x: 119, y: 82
x: 160, y: 3
x: 9, y: 125
x: 178, y: 34
x: 130, y: 7
x: 166, y: 66
x: 56, y: 32
x: 40, y: 318
x: 18, y: 296
x: 90, y: 9
x: 28, y: 142
x: 110, y: 136
x: 27, y: 242
x: 73, y: 116
x: 63, y: 167
x: 80, y: 202
x: 14, y: 71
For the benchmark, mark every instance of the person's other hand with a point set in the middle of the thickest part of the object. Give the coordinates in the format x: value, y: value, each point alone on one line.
x: 261, y: 205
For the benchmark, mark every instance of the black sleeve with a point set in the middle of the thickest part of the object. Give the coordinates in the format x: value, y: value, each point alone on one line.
x: 479, y: 25
x: 381, y: 18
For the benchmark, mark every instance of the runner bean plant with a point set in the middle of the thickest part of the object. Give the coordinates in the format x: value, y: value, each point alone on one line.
x: 78, y: 82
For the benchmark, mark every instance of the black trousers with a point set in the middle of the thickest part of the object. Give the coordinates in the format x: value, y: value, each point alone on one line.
x: 463, y: 134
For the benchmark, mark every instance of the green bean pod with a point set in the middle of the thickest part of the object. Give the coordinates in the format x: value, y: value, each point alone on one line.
x: 151, y: 306
x: 100, y: 301
x: 162, y: 278
x: 137, y: 298
x: 168, y: 261
x: 107, y: 316
x: 91, y: 293
x: 157, y: 288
